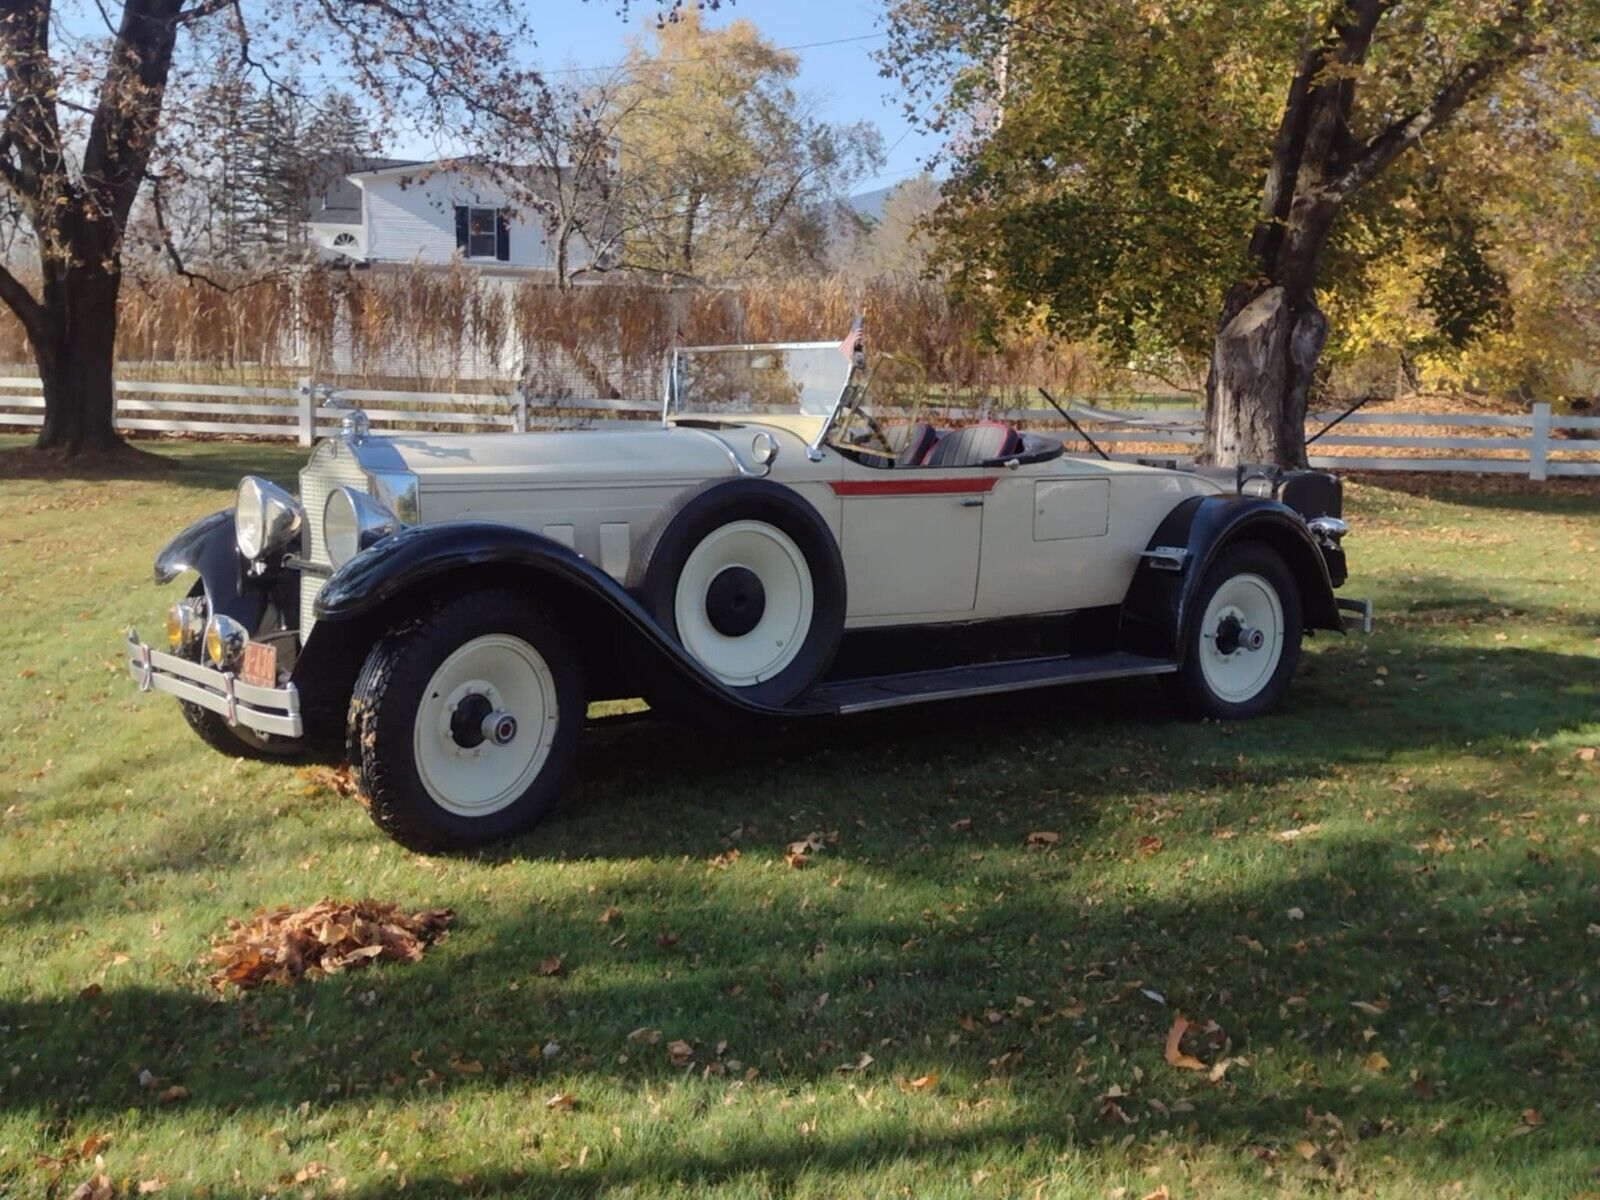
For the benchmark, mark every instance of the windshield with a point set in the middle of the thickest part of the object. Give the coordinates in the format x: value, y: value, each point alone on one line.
x: 880, y: 408
x: 795, y: 378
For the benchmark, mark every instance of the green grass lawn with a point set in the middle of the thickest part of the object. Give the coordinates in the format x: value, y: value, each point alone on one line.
x: 1387, y: 901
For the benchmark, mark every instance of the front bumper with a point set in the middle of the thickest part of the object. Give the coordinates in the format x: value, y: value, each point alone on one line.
x: 264, y: 710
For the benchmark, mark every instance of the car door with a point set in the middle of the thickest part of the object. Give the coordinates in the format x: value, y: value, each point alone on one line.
x: 912, y: 542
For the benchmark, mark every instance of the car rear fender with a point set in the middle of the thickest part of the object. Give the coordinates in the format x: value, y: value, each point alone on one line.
x: 1156, y: 611
x: 378, y: 587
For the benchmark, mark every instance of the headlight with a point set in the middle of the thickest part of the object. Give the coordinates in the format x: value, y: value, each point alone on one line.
x: 351, y: 522
x: 186, y: 624
x: 225, y: 639
x: 265, y: 518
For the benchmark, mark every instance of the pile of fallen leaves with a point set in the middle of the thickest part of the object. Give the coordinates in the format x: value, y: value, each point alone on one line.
x: 281, y: 945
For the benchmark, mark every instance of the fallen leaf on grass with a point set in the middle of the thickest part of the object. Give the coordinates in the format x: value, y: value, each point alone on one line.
x: 96, y: 1188
x: 610, y: 914
x: 1294, y: 835
x: 1149, y: 844
x: 1043, y: 837
x: 466, y: 1066
x: 861, y: 1064
x: 92, y: 1145
x: 550, y: 964
x: 150, y: 1186
x: 646, y: 1035
x: 1175, y: 1056
x: 1532, y: 1118
x: 281, y: 945
x: 1160, y: 1193
x: 1250, y: 943
x: 1306, y: 1150
x: 337, y: 780
x: 1372, y: 1010
x: 922, y: 1082
x: 680, y: 1053
x: 561, y: 1102
x: 1296, y: 914
x: 1584, y: 754
x: 173, y: 1094
x: 1377, y: 1062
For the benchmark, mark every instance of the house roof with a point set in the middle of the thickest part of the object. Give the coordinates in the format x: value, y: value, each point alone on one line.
x: 332, y: 199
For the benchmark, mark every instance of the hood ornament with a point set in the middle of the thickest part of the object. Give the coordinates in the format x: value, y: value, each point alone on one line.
x: 354, y: 424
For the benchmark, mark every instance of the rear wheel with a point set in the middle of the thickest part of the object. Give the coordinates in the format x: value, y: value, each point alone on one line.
x: 1244, y: 637
x: 464, y: 722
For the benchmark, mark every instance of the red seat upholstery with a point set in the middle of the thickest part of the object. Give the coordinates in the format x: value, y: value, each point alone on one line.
x: 973, y: 445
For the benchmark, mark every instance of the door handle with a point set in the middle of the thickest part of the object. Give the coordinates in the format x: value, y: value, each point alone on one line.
x: 972, y: 502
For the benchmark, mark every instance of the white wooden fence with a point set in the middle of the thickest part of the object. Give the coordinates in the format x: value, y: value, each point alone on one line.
x: 1536, y: 444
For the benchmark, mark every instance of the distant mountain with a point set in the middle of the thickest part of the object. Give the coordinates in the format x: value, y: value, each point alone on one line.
x: 869, y: 205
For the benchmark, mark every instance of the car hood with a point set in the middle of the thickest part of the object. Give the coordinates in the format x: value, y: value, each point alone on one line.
x: 634, y: 453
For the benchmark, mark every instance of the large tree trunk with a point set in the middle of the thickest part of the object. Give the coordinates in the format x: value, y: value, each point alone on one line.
x: 74, y: 349
x: 1262, y: 365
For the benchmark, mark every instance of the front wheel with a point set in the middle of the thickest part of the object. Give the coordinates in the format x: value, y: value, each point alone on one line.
x: 1243, y: 639
x: 464, y: 722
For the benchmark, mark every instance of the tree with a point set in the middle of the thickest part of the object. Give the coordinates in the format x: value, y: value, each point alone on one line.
x: 1128, y: 167
x: 896, y: 243
x: 724, y: 168
x: 87, y: 117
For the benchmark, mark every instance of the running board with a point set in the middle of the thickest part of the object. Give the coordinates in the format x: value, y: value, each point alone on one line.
x: 983, y: 679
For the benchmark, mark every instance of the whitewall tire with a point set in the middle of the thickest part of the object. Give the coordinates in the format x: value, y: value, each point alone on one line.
x: 465, y: 720
x: 1243, y: 635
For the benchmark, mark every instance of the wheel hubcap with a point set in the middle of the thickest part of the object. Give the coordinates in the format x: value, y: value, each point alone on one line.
x: 1241, y: 637
x: 485, y: 726
x: 735, y: 601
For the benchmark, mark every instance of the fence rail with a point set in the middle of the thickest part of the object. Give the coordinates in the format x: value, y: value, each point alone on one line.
x: 1537, y: 444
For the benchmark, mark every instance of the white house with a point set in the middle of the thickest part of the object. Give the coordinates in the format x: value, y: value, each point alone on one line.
x: 434, y: 213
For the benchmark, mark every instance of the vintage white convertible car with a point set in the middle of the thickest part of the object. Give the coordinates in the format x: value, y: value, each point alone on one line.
x: 791, y: 540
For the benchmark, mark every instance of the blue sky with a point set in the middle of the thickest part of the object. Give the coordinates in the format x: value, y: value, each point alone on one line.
x: 841, y: 76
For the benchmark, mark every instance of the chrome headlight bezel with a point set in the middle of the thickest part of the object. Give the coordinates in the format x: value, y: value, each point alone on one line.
x: 266, y: 518
x: 225, y: 641
x: 353, y: 521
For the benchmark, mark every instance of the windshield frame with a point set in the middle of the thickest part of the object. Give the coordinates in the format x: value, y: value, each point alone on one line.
x: 674, y: 379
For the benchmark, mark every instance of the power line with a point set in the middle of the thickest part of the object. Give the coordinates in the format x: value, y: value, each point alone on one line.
x: 864, y: 37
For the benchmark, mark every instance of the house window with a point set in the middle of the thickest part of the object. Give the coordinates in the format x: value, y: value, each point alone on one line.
x: 344, y: 239
x: 482, y: 232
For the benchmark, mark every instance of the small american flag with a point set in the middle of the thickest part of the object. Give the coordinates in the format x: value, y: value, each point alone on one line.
x: 851, y: 345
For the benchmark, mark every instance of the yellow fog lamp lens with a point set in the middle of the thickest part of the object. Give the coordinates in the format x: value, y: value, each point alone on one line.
x: 225, y: 639
x: 185, y: 626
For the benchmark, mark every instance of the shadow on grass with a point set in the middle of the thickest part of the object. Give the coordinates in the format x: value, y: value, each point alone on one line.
x: 196, y: 464
x: 1505, y: 493
x: 1477, y: 976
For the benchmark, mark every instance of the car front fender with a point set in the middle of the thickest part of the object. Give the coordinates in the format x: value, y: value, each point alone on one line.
x: 208, y: 548
x: 373, y: 588
x: 1157, y: 609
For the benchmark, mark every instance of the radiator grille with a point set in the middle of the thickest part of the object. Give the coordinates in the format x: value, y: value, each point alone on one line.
x: 332, y: 465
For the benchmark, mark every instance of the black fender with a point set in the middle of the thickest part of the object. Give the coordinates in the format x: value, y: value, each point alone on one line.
x: 208, y: 548
x: 377, y: 583
x: 1156, y: 610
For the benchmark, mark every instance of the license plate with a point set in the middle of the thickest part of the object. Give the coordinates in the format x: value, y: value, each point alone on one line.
x: 260, y: 664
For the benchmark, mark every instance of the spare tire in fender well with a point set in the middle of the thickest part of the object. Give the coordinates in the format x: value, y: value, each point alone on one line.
x: 654, y: 570
x: 1157, y: 602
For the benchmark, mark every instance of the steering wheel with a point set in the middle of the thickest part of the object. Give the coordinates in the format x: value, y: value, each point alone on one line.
x: 876, y: 431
